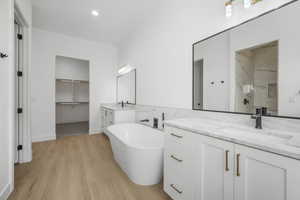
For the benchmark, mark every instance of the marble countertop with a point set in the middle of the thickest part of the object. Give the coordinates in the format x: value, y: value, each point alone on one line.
x: 118, y: 107
x: 278, y: 142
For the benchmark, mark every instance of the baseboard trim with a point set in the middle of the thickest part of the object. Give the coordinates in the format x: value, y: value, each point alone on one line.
x: 4, y: 194
x: 43, y: 139
x: 98, y: 131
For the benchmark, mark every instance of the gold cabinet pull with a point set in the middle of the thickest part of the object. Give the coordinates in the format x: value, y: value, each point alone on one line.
x: 174, y: 188
x: 177, y: 159
x: 226, y: 161
x: 178, y: 136
x: 238, y: 164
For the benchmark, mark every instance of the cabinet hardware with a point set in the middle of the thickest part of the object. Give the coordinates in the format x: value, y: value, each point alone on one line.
x: 226, y: 160
x: 238, y: 164
x: 19, y: 73
x: 178, y: 136
x: 177, y: 159
x: 20, y: 147
x: 174, y: 188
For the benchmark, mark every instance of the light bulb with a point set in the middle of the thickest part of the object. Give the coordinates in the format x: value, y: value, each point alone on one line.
x: 95, y: 13
x: 247, y: 3
x: 228, y: 9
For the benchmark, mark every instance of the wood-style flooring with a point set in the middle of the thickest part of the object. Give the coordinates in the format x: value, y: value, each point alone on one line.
x: 71, y: 129
x: 77, y: 168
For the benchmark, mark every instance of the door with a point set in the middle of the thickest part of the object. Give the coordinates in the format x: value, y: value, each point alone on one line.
x: 19, y: 89
x: 216, y: 167
x: 265, y: 176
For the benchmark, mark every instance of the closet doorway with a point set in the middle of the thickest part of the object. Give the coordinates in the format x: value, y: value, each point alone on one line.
x: 72, y: 96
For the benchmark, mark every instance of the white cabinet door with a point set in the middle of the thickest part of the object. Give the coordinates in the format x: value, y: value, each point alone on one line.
x: 265, y: 176
x: 215, y: 180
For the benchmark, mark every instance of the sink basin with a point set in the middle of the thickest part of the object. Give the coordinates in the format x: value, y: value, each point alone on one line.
x: 198, y: 122
x: 257, y: 135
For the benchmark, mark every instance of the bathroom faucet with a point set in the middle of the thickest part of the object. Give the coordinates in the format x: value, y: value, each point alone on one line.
x: 258, y: 118
x: 155, y: 122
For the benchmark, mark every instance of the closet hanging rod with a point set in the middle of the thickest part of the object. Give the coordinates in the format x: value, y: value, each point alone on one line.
x: 71, y: 80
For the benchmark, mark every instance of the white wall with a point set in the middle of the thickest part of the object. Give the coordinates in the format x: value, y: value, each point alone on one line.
x: 46, y: 46
x: 70, y: 68
x: 162, y: 49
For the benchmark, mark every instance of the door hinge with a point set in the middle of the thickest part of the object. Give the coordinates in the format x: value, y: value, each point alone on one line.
x: 20, y: 147
x: 19, y: 73
x: 20, y: 36
x: 20, y: 110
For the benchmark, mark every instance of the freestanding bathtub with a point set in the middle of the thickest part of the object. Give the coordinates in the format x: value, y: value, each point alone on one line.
x: 138, y: 150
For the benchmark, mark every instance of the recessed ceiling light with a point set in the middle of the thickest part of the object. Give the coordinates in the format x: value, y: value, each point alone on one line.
x: 95, y: 13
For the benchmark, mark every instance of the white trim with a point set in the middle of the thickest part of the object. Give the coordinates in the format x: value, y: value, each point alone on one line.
x: 26, y: 153
x: 95, y: 131
x: 43, y: 139
x: 4, y: 194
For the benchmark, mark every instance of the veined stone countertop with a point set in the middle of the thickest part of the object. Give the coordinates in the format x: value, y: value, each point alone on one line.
x: 118, y: 107
x: 274, y: 141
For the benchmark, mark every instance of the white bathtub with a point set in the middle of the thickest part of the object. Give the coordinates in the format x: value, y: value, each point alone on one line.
x: 138, y: 150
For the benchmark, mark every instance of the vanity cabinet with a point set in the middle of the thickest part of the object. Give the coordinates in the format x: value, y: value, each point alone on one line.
x: 214, y: 166
x: 263, y: 175
x: 210, y: 168
x: 115, y: 116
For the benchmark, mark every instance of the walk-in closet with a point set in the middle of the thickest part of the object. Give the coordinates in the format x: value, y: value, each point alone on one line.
x: 72, y: 96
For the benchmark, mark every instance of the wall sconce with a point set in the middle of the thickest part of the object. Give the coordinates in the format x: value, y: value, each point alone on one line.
x: 247, y: 4
x: 125, y: 69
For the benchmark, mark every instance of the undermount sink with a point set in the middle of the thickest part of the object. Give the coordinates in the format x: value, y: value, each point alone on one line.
x: 255, y: 134
x: 203, y: 123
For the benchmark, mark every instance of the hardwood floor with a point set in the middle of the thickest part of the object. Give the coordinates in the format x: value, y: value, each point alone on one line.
x: 77, y: 168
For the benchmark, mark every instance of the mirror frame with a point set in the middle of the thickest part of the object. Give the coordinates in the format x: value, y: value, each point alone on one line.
x: 117, y: 87
x: 216, y: 34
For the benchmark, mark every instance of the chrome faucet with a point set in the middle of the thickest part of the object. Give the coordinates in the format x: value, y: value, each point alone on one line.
x: 258, y: 118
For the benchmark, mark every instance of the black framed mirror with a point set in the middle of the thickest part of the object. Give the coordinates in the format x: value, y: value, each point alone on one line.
x: 252, y: 65
x: 126, y: 87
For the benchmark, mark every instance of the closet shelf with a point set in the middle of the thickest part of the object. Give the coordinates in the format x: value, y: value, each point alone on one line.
x: 73, y: 103
x: 71, y: 81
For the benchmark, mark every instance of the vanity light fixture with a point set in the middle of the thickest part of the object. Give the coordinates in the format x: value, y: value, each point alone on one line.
x: 247, y: 4
x: 125, y: 69
x: 228, y: 8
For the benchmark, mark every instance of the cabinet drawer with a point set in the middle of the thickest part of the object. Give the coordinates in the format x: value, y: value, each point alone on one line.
x: 179, y: 146
x: 178, y: 143
x: 176, y: 135
x: 174, y: 180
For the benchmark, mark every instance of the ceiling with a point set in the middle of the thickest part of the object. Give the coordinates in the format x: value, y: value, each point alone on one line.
x: 117, y: 18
